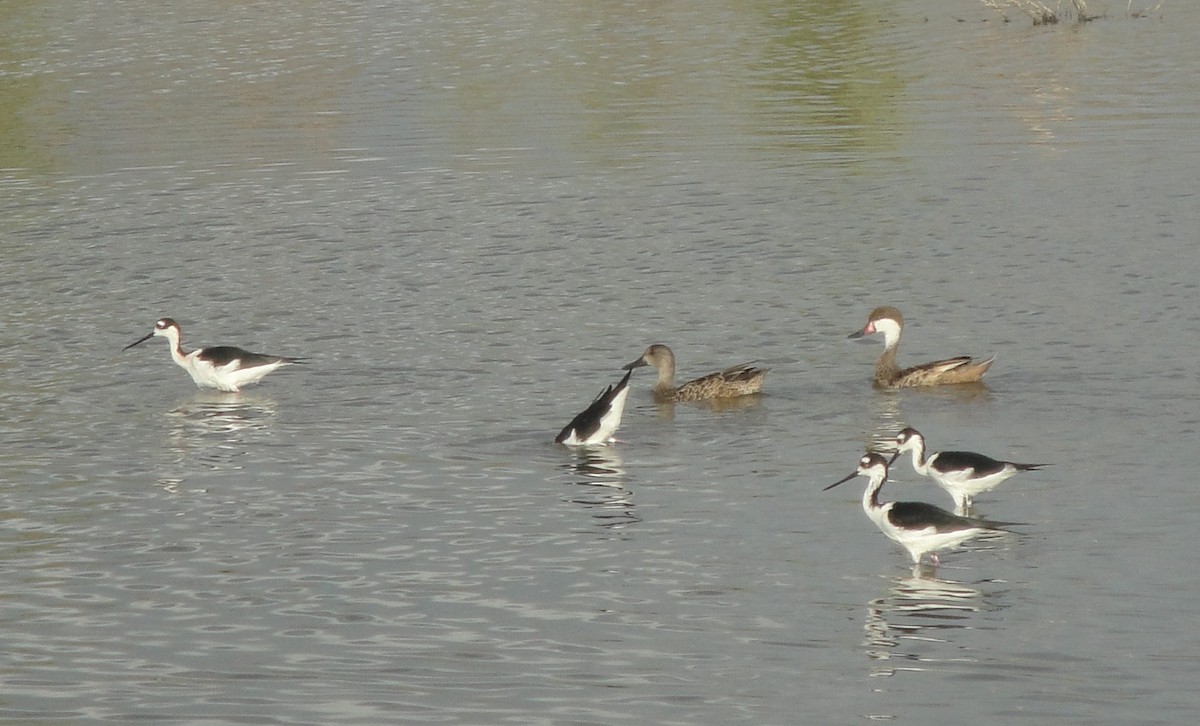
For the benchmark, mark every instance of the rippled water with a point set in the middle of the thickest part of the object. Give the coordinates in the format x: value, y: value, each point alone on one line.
x: 468, y: 217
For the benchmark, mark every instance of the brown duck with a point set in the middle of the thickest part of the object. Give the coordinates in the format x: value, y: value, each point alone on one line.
x: 890, y: 322
x: 739, y: 380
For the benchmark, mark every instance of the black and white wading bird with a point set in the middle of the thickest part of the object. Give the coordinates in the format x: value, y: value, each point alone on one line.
x: 599, y: 421
x: 964, y: 474
x: 917, y: 526
x: 223, y: 367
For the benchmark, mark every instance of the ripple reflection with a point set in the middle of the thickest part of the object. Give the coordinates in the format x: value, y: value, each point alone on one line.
x: 913, y: 626
x: 600, y: 480
x: 213, y: 429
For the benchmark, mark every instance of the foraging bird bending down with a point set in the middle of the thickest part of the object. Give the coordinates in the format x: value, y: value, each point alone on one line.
x: 222, y: 367
x: 599, y: 421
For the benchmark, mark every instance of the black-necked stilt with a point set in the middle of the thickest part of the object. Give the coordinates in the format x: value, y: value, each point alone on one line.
x: 964, y: 474
x: 223, y: 367
x: 890, y: 322
x: 600, y: 420
x: 739, y: 380
x: 917, y: 526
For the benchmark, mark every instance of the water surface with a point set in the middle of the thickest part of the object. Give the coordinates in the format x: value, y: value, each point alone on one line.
x: 468, y: 216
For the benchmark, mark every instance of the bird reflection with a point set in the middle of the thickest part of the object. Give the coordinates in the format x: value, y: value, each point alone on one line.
x: 977, y: 392
x: 887, y: 419
x: 886, y: 422
x: 212, y: 428
x: 666, y: 409
x: 598, y: 476
x: 912, y: 627
x: 738, y: 403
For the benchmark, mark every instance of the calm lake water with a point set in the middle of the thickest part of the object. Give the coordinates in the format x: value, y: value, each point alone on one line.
x: 468, y: 216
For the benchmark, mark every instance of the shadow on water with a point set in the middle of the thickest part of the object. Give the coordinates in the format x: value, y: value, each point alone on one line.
x: 600, y: 485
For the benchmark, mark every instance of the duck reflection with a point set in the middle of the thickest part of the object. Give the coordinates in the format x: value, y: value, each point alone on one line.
x: 886, y: 422
x: 666, y: 409
x: 212, y: 428
x: 597, y: 475
x: 740, y: 403
x: 912, y: 627
x: 961, y: 393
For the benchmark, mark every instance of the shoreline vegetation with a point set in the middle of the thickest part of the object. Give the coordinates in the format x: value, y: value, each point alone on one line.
x: 1043, y: 14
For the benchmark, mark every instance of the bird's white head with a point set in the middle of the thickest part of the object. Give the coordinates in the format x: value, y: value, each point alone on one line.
x: 164, y: 327
x: 909, y: 439
x: 886, y: 320
x: 871, y: 465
